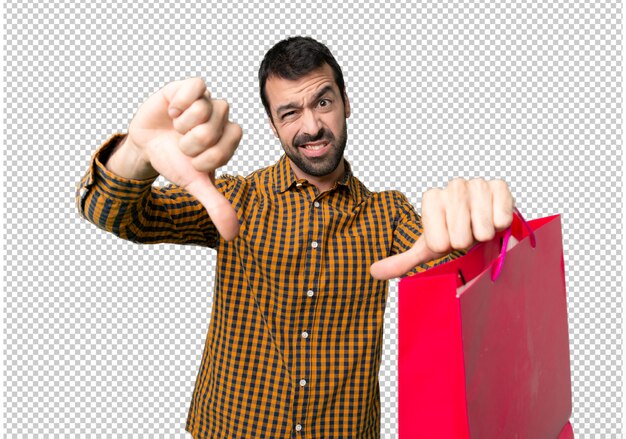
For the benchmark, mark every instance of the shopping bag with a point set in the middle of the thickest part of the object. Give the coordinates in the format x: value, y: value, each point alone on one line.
x: 483, y: 341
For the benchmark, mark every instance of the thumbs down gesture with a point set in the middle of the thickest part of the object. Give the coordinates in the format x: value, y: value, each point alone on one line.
x: 185, y: 135
x: 455, y: 218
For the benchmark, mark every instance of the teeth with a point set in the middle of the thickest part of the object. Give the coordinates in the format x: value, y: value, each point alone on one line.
x: 315, y: 147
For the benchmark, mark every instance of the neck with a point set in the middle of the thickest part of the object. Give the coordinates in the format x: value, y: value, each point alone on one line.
x: 324, y: 182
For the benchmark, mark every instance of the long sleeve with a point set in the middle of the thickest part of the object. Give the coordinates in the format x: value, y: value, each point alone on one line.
x: 138, y: 211
x: 408, y: 229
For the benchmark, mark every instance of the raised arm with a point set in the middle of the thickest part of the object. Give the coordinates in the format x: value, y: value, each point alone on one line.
x: 180, y: 133
x: 138, y: 211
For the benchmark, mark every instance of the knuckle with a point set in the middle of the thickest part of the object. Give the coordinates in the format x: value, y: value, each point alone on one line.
x: 431, y: 195
x: 438, y: 245
x: 202, y: 104
x: 223, y: 107
x: 198, y: 82
x: 502, y: 222
x: 238, y: 132
x: 499, y: 185
x: 458, y: 186
x: 477, y: 183
x: 200, y: 165
x: 235, y: 133
x: 201, y: 110
x: 484, y: 234
x: 460, y: 241
x: 206, y: 135
x: 207, y: 162
x: 189, y: 146
x: 180, y: 126
x: 220, y: 157
x: 457, y: 181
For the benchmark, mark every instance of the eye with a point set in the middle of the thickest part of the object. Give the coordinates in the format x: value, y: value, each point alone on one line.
x: 289, y: 113
x: 324, y: 102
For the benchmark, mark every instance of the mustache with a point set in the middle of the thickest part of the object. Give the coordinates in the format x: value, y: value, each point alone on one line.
x: 322, y: 134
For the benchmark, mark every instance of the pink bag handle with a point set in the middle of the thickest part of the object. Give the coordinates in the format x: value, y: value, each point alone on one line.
x: 533, y: 243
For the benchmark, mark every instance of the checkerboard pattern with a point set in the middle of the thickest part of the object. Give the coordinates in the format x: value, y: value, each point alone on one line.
x: 104, y: 337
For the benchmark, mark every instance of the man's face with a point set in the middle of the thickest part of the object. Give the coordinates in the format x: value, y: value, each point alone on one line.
x: 309, y: 119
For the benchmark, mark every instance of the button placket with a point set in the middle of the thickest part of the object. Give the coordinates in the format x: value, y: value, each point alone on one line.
x: 314, y: 257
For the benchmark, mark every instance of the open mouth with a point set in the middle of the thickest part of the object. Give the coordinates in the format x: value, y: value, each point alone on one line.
x: 314, y: 146
x: 315, y: 149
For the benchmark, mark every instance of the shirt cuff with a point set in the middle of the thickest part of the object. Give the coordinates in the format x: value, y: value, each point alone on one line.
x: 113, y: 185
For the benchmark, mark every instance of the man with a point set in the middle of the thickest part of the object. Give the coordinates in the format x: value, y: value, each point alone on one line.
x: 304, y: 248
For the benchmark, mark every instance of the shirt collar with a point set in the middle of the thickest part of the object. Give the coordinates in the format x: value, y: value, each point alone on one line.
x: 284, y: 178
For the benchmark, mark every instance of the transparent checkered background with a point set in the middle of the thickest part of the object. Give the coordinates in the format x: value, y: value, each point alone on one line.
x: 104, y: 337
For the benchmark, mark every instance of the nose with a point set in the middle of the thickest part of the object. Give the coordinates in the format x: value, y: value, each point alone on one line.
x: 310, y: 123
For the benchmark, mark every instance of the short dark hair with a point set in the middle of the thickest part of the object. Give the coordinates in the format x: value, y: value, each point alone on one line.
x: 293, y: 58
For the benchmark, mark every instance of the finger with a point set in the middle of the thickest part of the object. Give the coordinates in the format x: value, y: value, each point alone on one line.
x: 204, y: 136
x: 481, y: 210
x: 457, y: 213
x: 502, y: 204
x: 181, y: 94
x: 198, y: 113
x: 434, y: 221
x: 220, y: 210
x: 219, y: 154
x: 397, y: 265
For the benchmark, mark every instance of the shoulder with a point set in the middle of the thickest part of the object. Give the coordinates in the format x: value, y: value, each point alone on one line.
x: 392, y: 203
x: 238, y: 186
x: 251, y: 178
x: 391, y: 198
x: 226, y: 182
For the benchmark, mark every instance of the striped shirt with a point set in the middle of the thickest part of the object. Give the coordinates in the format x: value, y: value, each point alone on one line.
x: 294, y: 343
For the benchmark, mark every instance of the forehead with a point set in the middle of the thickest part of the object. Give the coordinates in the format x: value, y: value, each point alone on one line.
x: 282, y: 91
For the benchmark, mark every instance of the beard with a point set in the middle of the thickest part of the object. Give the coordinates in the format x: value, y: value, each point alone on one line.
x: 318, y: 166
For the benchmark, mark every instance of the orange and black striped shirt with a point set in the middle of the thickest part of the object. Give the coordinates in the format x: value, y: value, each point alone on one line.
x: 295, y: 338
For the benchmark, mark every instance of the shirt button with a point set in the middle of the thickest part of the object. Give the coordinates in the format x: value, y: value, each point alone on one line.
x: 316, y: 204
x: 302, y: 383
x: 314, y: 244
x: 310, y: 293
x: 298, y: 427
x: 305, y: 334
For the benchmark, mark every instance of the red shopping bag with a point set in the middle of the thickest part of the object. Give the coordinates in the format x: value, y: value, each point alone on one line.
x: 490, y: 359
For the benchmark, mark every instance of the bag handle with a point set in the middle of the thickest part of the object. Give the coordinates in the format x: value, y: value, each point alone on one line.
x: 533, y: 243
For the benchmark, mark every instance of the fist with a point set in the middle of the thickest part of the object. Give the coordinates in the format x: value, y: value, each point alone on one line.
x: 454, y: 218
x: 185, y: 136
x: 464, y: 213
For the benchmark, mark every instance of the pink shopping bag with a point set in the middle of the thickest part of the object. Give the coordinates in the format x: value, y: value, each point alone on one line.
x: 483, y: 341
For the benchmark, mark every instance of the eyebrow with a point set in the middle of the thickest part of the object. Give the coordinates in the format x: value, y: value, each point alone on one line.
x: 292, y: 105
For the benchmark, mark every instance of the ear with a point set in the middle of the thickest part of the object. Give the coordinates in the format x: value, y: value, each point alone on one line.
x: 346, y: 104
x: 272, y: 127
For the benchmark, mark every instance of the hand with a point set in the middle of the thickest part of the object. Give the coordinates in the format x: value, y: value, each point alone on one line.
x: 185, y: 135
x: 453, y: 218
